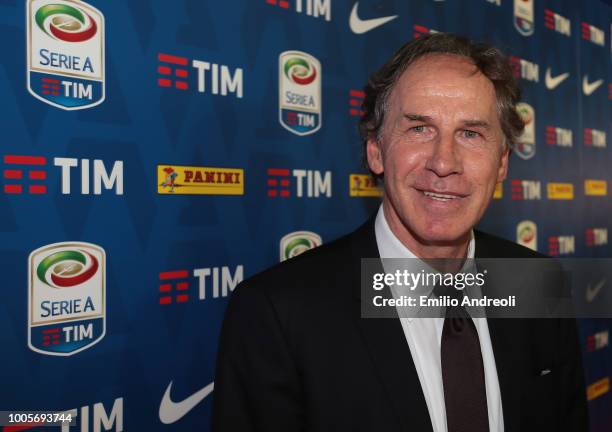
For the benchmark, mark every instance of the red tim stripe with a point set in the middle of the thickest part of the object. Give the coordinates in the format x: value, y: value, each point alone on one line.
x: 165, y: 300
x: 25, y: 160
x: 178, y: 274
x: 357, y: 94
x: 164, y: 70
x: 37, y: 175
x: 51, y: 330
x: 165, y: 287
x: 50, y: 80
x: 182, y: 298
x: 182, y: 73
x: 172, y: 59
x: 38, y: 189
x: 163, y: 82
x: 182, y: 286
x: 13, y: 174
x: 181, y: 85
x: 278, y: 172
x: 13, y: 189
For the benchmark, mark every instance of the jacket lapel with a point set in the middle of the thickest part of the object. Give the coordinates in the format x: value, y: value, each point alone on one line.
x: 388, y: 348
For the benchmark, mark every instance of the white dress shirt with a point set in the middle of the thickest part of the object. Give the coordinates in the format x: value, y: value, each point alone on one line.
x: 424, y: 337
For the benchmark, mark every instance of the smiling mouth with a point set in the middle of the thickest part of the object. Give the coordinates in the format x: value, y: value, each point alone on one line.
x: 440, y: 196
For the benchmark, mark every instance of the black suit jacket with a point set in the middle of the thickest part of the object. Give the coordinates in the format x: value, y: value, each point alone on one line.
x: 294, y: 354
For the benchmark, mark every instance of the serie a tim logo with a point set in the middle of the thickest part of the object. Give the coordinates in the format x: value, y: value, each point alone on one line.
x: 66, y: 298
x: 65, y: 40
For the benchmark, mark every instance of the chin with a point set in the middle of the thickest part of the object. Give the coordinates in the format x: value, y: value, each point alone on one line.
x: 442, y: 233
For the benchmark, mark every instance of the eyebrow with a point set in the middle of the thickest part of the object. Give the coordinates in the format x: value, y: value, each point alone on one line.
x: 468, y: 123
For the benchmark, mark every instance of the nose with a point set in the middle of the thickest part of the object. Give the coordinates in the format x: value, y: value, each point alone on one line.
x: 444, y: 159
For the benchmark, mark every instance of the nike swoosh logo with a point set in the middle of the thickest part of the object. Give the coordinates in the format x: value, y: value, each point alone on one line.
x: 553, y: 82
x: 591, y: 292
x: 360, y: 26
x: 170, y: 411
x: 588, y: 88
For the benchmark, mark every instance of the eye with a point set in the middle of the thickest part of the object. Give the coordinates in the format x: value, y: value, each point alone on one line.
x: 470, y: 134
x: 418, y: 129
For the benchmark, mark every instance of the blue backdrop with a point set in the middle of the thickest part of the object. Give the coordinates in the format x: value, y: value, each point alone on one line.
x: 156, y: 153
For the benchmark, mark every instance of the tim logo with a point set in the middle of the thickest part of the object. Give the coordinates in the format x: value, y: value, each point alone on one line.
x: 525, y: 190
x: 524, y: 69
x: 597, y: 341
x: 594, y: 138
x: 299, y: 81
x: 28, y: 174
x: 558, y: 136
x: 596, y: 237
x: 561, y: 245
x: 213, y: 282
x: 356, y: 98
x: 65, y: 40
x: 313, y: 8
x: 593, y: 34
x: 308, y: 183
x: 176, y: 72
x: 556, y: 22
x: 66, y: 297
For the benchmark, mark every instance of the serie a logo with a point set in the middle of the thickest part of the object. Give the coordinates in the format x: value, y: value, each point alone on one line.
x: 66, y: 298
x: 299, y: 80
x: 65, y: 40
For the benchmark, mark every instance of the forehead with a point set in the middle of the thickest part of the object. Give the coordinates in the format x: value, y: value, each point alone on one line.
x: 447, y: 79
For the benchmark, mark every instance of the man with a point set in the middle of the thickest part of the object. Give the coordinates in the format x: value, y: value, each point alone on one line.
x: 295, y: 353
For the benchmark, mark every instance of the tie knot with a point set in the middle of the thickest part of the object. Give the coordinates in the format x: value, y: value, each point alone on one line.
x: 450, y: 291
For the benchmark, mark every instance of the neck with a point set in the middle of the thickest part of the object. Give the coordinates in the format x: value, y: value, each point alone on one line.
x: 453, y: 250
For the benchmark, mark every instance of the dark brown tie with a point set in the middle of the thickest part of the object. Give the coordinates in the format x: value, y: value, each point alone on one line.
x: 465, y: 394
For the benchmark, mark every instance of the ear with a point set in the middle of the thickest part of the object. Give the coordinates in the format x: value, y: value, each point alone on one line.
x: 502, y: 171
x: 374, y: 154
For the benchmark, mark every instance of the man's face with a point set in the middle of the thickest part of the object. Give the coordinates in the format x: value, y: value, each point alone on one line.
x: 440, y: 151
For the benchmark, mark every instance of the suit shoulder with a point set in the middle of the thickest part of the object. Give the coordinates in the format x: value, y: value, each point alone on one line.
x: 491, y: 246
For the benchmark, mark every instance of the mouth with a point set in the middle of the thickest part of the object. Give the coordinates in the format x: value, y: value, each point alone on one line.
x: 442, y: 196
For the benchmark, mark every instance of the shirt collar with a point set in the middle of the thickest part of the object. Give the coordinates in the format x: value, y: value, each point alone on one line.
x: 389, y: 246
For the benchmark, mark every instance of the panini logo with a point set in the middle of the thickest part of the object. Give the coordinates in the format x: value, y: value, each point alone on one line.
x: 593, y: 34
x: 499, y: 191
x: 556, y: 22
x: 559, y: 136
x: 363, y: 185
x: 65, y: 53
x: 560, y: 191
x: 597, y: 341
x: 561, y: 245
x: 194, y: 180
x: 598, y: 388
x: 596, y: 237
x: 594, y: 137
x: 595, y: 187
x: 525, y: 190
